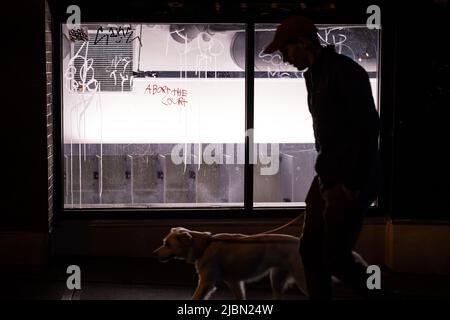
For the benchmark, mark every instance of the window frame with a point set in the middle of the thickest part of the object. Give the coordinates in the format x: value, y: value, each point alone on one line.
x: 248, y: 210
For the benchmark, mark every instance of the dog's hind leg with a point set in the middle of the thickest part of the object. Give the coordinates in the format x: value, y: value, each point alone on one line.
x: 278, y: 279
x: 238, y: 289
x: 204, y: 290
x: 299, y: 276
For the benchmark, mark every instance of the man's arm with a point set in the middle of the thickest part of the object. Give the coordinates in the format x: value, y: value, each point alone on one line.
x: 362, y: 125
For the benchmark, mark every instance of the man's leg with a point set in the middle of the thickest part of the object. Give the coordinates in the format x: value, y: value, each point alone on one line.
x: 343, y: 222
x: 312, y: 245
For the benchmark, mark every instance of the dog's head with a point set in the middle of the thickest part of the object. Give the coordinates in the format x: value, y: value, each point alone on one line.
x: 181, y: 243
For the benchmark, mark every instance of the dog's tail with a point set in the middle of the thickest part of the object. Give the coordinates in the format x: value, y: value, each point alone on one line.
x: 300, y: 216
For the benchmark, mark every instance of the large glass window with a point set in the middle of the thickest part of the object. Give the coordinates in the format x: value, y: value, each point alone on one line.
x: 153, y: 115
x: 283, y: 125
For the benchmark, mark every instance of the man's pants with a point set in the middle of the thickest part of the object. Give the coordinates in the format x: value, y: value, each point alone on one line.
x: 329, y: 234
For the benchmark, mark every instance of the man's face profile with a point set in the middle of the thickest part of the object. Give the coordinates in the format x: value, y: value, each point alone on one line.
x: 297, y: 53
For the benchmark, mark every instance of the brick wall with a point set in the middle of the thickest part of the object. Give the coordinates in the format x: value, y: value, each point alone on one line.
x: 49, y: 112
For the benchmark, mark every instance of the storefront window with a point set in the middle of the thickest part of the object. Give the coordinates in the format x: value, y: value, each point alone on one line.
x: 283, y: 125
x: 153, y: 115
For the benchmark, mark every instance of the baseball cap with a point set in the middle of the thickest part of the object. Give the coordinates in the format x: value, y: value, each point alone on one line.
x: 290, y: 29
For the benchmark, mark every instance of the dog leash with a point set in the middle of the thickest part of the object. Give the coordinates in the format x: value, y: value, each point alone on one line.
x: 283, y: 226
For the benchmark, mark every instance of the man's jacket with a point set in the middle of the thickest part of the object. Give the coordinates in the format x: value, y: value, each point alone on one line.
x: 345, y: 121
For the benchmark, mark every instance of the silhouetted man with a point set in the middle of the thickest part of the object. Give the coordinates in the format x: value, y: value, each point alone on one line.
x: 346, y: 126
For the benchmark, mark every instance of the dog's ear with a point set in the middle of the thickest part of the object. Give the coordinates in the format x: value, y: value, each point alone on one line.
x: 185, y: 238
x: 177, y: 230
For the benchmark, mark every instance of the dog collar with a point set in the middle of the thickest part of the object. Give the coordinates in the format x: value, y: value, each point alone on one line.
x: 194, y: 256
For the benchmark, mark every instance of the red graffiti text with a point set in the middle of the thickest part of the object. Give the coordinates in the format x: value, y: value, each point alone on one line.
x: 170, y: 96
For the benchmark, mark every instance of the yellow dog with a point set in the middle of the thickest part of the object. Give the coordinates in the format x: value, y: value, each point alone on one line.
x: 236, y: 259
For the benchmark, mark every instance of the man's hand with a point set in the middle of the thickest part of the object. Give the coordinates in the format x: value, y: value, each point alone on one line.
x: 339, y: 195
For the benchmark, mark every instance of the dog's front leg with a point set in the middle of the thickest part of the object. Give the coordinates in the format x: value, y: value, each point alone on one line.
x: 204, y: 290
x: 238, y: 289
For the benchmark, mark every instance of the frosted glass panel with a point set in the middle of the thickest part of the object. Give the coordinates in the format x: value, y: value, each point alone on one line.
x: 282, y: 117
x: 153, y: 115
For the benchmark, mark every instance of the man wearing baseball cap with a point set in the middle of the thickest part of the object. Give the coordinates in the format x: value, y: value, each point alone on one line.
x: 346, y: 127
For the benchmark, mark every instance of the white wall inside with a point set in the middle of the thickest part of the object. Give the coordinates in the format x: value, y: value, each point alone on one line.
x: 214, y: 112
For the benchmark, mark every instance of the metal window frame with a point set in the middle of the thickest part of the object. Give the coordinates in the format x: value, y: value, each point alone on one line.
x: 248, y: 210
